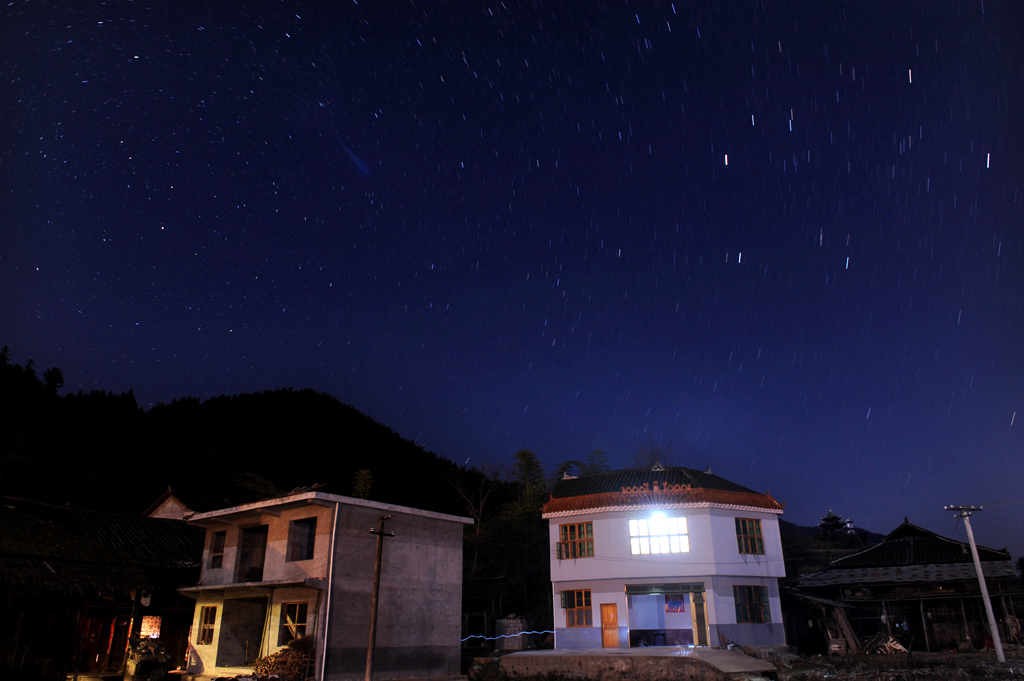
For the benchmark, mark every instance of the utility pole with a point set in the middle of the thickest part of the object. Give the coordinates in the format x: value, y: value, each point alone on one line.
x: 965, y: 513
x: 376, y: 592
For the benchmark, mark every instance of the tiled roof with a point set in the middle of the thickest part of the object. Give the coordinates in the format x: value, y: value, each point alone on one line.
x: 911, y: 554
x: 153, y: 542
x: 912, y: 545
x: 38, y: 556
x: 57, y: 549
x: 632, y: 488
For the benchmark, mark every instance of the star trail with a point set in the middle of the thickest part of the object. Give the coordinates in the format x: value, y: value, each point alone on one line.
x: 784, y: 238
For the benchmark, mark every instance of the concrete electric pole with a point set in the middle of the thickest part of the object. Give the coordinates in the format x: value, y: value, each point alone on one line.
x: 965, y: 513
x: 376, y: 593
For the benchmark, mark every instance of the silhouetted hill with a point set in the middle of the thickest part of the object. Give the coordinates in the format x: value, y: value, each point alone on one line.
x: 102, y: 451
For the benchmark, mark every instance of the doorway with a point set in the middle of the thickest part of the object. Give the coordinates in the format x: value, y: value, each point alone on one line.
x: 699, y: 612
x: 241, y: 631
x: 609, y: 625
x: 668, y: 614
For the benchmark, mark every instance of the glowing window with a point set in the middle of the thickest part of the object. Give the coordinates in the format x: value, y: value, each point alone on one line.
x: 150, y: 626
x: 658, y: 534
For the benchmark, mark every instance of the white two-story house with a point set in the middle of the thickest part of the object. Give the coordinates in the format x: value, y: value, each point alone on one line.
x: 664, y: 557
x: 303, y: 566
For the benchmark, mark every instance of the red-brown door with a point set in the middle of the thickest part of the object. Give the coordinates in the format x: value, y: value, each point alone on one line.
x: 609, y: 625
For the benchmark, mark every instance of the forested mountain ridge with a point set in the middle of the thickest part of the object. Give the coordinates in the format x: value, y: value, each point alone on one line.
x: 100, y: 450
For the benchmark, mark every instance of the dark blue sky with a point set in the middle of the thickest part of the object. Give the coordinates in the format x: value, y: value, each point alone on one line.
x: 785, y: 239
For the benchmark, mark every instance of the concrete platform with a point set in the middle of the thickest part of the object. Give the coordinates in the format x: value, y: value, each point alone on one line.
x: 638, y: 664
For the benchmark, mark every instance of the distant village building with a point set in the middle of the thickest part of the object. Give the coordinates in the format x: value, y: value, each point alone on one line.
x: 77, y: 585
x: 915, y: 586
x: 303, y: 565
x: 664, y: 557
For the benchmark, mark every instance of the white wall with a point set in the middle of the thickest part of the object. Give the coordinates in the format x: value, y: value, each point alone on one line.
x: 609, y: 592
x: 713, y: 548
x: 714, y: 559
x: 725, y: 603
x: 730, y: 561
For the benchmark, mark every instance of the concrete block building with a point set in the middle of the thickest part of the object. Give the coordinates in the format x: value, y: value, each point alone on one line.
x: 302, y: 565
x: 662, y: 557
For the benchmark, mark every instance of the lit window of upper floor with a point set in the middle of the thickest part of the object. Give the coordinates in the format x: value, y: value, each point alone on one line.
x: 658, y: 534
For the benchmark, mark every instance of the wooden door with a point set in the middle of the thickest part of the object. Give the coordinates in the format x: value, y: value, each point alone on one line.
x: 609, y: 625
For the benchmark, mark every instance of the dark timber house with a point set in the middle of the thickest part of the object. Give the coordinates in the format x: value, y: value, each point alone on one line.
x: 915, y: 586
x: 72, y: 580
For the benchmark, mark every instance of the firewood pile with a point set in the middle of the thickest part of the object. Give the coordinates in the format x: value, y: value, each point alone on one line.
x: 883, y: 644
x: 286, y: 665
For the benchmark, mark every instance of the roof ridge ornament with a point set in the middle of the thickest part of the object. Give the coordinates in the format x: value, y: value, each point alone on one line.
x: 647, y: 487
x: 657, y: 467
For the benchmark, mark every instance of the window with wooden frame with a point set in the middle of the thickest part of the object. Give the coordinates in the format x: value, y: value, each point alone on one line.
x: 207, y: 618
x: 578, y: 612
x: 301, y: 539
x: 217, y: 540
x: 293, y: 622
x: 748, y: 536
x: 658, y: 534
x: 752, y: 604
x: 576, y: 541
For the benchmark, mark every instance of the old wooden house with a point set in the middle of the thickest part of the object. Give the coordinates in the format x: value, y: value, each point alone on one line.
x: 73, y: 582
x: 916, y: 587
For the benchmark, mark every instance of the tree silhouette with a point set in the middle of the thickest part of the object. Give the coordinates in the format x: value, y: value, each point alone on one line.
x: 54, y: 379
x: 362, y: 484
x: 597, y: 462
x: 528, y: 469
x: 651, y: 453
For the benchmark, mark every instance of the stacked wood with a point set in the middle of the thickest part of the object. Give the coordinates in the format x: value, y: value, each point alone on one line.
x: 286, y: 665
x: 883, y: 644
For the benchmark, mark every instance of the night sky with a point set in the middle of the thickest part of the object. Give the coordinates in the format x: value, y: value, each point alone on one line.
x: 785, y: 238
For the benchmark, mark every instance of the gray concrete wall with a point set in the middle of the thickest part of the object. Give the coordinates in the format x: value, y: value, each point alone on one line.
x: 420, y: 606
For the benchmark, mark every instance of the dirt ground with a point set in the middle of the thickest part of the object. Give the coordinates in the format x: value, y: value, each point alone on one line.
x: 909, y: 667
